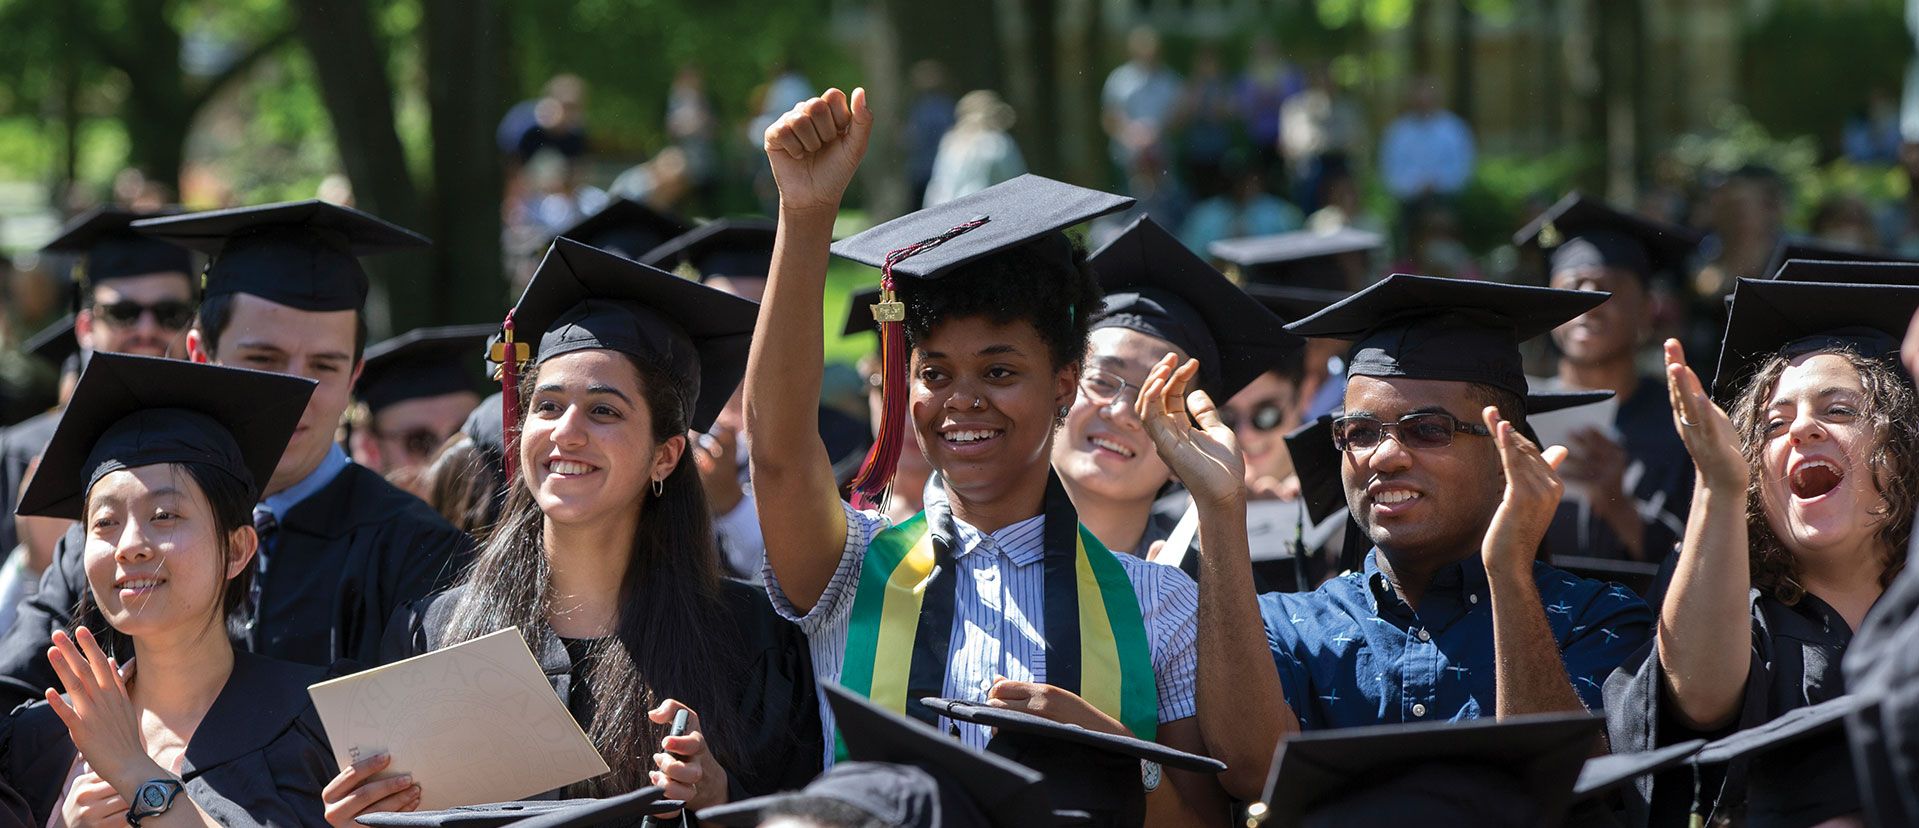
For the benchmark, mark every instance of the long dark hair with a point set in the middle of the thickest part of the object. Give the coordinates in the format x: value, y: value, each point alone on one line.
x: 231, y: 503
x: 673, y: 638
x: 1891, y: 409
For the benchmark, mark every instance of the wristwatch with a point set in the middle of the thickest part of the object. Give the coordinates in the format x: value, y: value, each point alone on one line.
x: 1149, y: 774
x: 153, y: 798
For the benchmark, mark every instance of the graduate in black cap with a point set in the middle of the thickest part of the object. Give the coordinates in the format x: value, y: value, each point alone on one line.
x: 417, y: 389
x: 604, y: 557
x: 1638, y: 483
x: 134, y: 295
x: 1160, y: 299
x: 984, y: 314
x: 341, y: 549
x: 157, y: 717
x: 1452, y: 615
x: 628, y: 228
x: 1807, y: 453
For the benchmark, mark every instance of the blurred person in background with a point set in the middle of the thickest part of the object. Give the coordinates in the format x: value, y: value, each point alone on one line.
x: 1265, y: 85
x: 1245, y: 209
x: 928, y: 119
x: 1211, y: 124
x: 1427, y: 152
x: 978, y: 151
x: 1140, y: 103
x: 1317, y: 125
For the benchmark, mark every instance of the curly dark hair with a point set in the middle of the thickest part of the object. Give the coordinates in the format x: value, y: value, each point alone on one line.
x: 1891, y: 410
x: 1024, y: 283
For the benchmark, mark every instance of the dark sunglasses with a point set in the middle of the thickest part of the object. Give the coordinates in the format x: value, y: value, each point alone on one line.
x: 418, y: 443
x: 171, y: 314
x: 1266, y: 417
x: 1414, y: 431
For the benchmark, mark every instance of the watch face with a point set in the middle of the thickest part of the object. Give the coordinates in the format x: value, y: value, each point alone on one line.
x: 151, y: 796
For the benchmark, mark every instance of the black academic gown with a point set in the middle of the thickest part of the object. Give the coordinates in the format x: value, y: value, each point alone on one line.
x: 777, y: 714
x: 1659, y: 474
x: 1883, y: 663
x: 20, y: 443
x: 344, y: 561
x: 260, y: 757
x: 1796, y: 652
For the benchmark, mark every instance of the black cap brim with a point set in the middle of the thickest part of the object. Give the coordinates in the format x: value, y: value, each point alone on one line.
x: 627, y: 228
x: 53, y: 343
x: 1812, y: 249
x: 1660, y: 247
x: 1006, y: 792
x: 1029, y: 725
x: 1295, y: 303
x: 424, y: 362
x: 1299, y: 259
x: 1545, y: 752
x: 112, y: 249
x: 259, y: 409
x: 1848, y: 272
x: 1784, y: 731
x: 1767, y: 316
x: 859, y: 312
x: 1604, y: 773
x: 362, y: 234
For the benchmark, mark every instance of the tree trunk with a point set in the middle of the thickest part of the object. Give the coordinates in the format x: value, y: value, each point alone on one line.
x: 351, y: 65
x: 463, y: 59
x: 1077, y: 96
x: 1033, y: 129
x: 883, y: 173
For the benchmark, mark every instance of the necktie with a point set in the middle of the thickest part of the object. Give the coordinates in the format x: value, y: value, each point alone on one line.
x: 266, y: 525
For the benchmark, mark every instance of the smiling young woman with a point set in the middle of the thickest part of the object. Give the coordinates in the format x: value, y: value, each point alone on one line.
x: 162, y: 462
x: 1804, y: 505
x: 985, y: 310
x: 604, y: 556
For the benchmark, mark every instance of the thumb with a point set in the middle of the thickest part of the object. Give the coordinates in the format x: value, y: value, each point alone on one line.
x: 861, y: 129
x: 1553, y: 456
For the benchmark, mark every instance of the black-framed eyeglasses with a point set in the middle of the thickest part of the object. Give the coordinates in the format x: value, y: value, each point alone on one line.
x: 1104, y: 388
x: 171, y: 314
x: 1265, y: 417
x: 1414, y: 431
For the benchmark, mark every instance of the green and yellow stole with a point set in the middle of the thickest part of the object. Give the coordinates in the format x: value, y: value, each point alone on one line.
x: 902, y: 619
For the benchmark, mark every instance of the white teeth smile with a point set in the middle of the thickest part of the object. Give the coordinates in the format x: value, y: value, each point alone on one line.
x: 1101, y: 442
x: 141, y: 583
x: 1389, y: 498
x: 568, y: 467
x: 970, y: 436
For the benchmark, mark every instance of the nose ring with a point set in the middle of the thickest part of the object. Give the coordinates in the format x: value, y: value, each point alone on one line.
x: 979, y: 403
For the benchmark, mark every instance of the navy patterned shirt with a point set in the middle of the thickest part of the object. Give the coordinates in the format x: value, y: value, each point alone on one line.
x: 1352, y: 653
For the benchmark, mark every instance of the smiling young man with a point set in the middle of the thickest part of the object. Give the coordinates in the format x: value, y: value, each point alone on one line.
x: 341, y: 549
x: 135, y: 297
x: 1452, y: 616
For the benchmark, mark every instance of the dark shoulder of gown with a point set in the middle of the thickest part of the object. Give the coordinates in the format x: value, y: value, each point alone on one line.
x: 1883, y: 662
x: 20, y: 443
x: 1659, y: 476
x: 777, y: 711
x: 1796, y: 653
x: 259, y: 758
x: 344, y: 560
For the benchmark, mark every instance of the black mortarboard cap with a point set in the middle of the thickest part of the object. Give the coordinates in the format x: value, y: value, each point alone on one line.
x: 1792, y: 318
x: 302, y: 254
x: 1604, y: 773
x: 1848, y: 272
x: 733, y: 247
x: 898, y: 796
x: 1294, y: 303
x: 1799, y: 767
x: 424, y: 362
x: 132, y: 411
x: 1514, y: 771
x: 1580, y: 231
x: 112, y: 249
x: 1004, y: 794
x: 628, y: 228
x: 483, y: 427
x: 1784, y: 731
x: 1425, y: 327
x: 582, y: 297
x: 1087, y: 772
x: 53, y: 343
x: 1157, y: 287
x: 621, y: 810
x: 1028, y: 210
x: 1301, y: 258
x: 1814, y: 249
x: 859, y: 313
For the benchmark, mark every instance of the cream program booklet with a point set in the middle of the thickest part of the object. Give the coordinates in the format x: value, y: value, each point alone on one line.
x: 475, y: 722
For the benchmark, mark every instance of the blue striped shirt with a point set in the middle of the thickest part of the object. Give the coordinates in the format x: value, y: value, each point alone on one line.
x: 998, y: 615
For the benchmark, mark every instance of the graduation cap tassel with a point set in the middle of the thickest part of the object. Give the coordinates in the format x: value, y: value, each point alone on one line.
x: 869, y: 486
x: 509, y: 396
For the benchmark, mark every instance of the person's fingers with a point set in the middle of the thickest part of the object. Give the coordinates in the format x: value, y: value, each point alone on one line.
x: 790, y: 141
x: 685, y: 773
x: 67, y: 715
x: 1204, y: 411
x: 838, y: 109
x: 363, y: 798
x: 352, y: 776
x: 1009, y: 690
x: 1554, y: 456
x: 860, y: 129
x: 406, y: 800
x: 805, y: 132
x: 103, y: 673
x: 691, y: 744
x: 821, y: 113
x: 69, y: 673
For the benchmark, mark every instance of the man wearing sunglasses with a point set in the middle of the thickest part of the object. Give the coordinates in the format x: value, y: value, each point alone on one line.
x: 1452, y: 616
x: 134, y: 295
